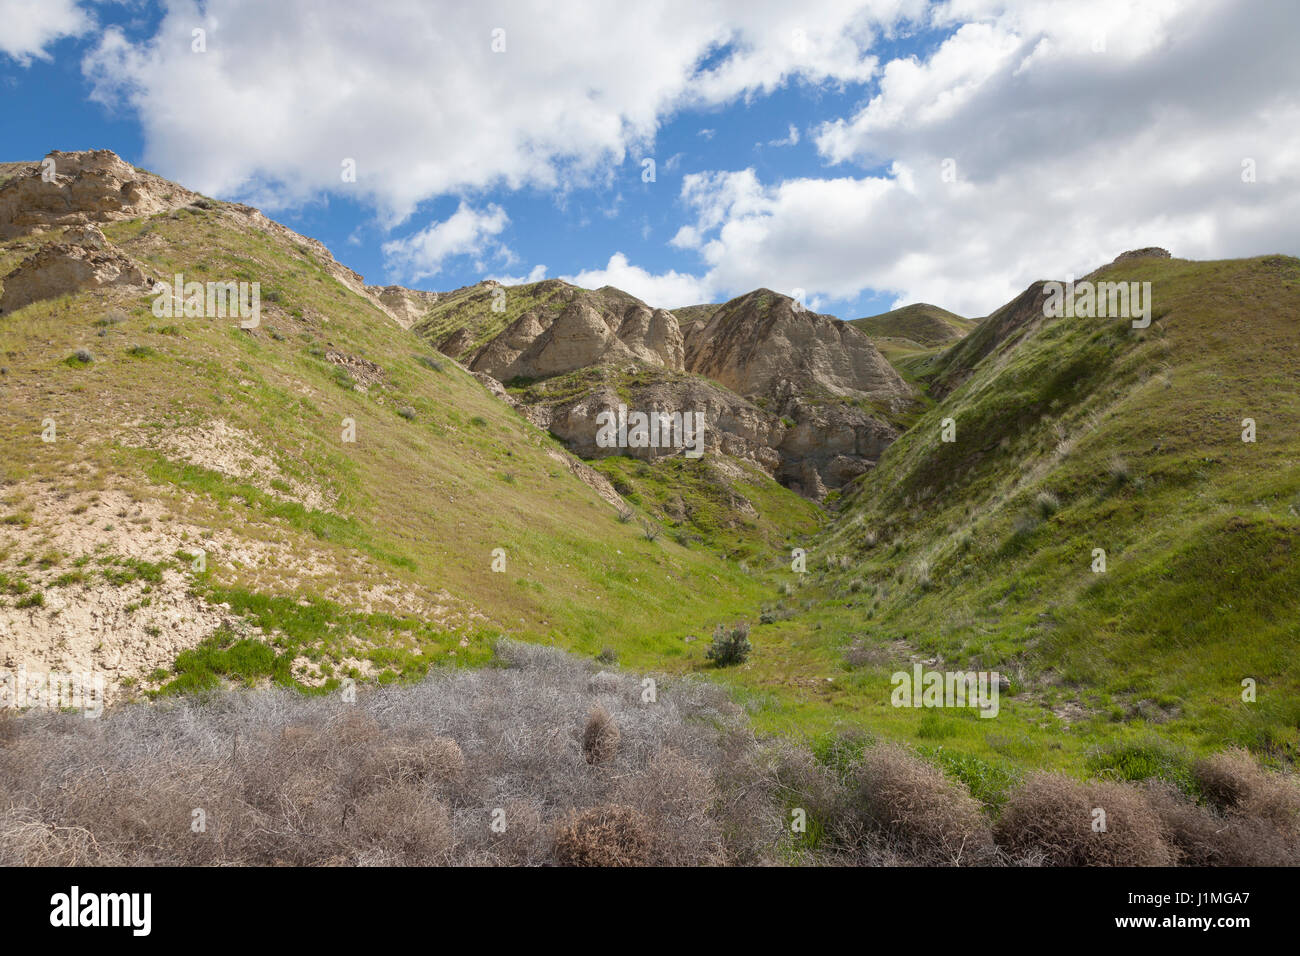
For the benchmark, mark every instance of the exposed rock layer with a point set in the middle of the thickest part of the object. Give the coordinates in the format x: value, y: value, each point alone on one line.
x: 86, y: 260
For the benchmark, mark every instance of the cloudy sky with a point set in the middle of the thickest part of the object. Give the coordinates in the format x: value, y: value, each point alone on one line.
x: 860, y: 154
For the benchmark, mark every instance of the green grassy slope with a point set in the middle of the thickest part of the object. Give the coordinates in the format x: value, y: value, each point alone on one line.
x: 729, y: 506
x: 912, y: 337
x: 925, y: 325
x: 441, y: 473
x: 1074, y: 435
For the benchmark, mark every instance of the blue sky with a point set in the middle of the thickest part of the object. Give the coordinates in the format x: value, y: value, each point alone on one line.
x: 859, y: 154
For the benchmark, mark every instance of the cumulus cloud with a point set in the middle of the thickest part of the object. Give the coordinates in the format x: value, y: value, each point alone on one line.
x: 467, y: 232
x: 32, y: 25
x: 791, y: 138
x: 1032, y: 138
x: 536, y: 274
x: 664, y: 290
x: 1040, y: 140
x: 429, y: 99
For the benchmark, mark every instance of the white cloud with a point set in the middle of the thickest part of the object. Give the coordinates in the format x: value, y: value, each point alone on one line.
x: 1063, y: 157
x: 32, y: 25
x: 1076, y: 129
x: 536, y: 274
x: 791, y: 138
x: 666, y: 290
x: 413, y: 91
x: 465, y: 232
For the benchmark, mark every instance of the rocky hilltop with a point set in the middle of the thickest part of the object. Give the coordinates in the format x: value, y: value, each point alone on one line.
x: 766, y: 344
x: 549, y: 328
x: 803, y: 396
x: 76, y: 188
x: 91, y: 188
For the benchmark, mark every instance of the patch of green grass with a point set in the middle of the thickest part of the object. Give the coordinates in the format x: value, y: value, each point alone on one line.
x: 225, y: 656
x: 1144, y: 759
x: 119, y: 571
x: 79, y: 359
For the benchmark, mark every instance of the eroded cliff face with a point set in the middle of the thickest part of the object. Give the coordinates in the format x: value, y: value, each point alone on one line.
x: 586, y: 332
x: 764, y: 344
x: 407, y: 306
x: 76, y: 188
x: 83, y: 259
x: 798, y: 394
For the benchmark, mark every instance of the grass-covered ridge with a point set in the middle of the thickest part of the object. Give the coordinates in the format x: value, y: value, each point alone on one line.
x: 1075, y: 436
x: 921, y: 324
x: 237, y: 437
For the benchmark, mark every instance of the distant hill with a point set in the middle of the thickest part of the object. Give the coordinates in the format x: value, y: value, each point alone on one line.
x: 928, y: 326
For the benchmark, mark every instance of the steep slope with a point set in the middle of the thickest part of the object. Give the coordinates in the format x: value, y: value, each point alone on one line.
x: 308, y: 497
x: 1097, y: 528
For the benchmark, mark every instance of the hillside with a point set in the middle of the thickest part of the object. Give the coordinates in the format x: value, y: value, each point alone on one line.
x: 1075, y: 436
x: 184, y: 504
x: 925, y: 325
x: 322, y: 556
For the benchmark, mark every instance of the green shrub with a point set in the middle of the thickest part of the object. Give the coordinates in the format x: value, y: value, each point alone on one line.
x: 730, y: 646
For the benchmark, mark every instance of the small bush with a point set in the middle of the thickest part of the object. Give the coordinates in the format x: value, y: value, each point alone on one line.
x: 650, y: 531
x: 730, y: 646
x: 1141, y: 760
x: 917, y: 807
x: 861, y: 654
x: 1050, y: 817
x: 609, y: 835
x: 600, y: 737
x: 1236, y: 784
x: 1202, y: 837
x: 1047, y: 503
x: 79, y: 357
x: 432, y: 364
x: 607, y: 655
x: 407, y: 412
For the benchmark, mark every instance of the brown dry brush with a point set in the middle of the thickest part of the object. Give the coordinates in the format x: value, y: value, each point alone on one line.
x: 1251, y: 818
x: 544, y: 762
x: 418, y: 774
